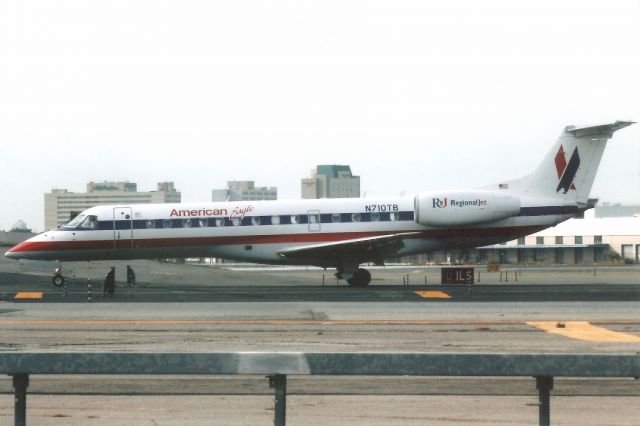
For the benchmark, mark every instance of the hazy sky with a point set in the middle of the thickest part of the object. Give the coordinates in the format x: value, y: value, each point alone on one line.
x: 413, y: 95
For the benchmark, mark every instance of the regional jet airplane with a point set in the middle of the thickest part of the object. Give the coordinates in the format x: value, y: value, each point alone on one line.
x: 338, y: 233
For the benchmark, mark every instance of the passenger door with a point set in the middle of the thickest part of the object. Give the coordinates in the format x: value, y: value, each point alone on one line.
x: 314, y: 220
x: 122, y: 227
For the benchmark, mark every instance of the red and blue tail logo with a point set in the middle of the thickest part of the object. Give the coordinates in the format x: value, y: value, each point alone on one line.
x: 567, y: 171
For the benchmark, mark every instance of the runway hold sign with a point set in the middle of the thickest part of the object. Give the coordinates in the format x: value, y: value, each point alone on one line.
x: 457, y: 275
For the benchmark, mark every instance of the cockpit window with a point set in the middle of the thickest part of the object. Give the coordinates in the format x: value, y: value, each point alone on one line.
x: 75, y: 221
x: 89, y: 222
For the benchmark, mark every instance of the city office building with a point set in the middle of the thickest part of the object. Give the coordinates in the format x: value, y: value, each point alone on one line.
x: 331, y: 181
x: 244, y: 190
x: 60, y: 205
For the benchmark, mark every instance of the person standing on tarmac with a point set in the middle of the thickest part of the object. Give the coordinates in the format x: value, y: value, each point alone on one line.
x: 109, y: 282
x: 131, y: 277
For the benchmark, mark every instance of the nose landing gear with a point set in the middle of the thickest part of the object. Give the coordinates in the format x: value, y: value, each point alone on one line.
x: 58, y: 279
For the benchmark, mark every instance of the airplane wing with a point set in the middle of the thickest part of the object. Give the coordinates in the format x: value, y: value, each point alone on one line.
x: 357, y: 250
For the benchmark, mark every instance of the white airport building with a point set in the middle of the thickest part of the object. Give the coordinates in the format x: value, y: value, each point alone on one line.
x: 60, y: 205
x: 574, y: 242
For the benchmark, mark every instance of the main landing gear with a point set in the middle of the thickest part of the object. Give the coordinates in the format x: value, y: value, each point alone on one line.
x: 359, y: 278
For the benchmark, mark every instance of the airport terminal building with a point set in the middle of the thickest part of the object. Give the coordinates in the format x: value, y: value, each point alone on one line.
x: 609, y: 235
x: 574, y: 242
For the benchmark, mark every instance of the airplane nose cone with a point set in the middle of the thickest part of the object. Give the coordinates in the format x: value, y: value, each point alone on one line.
x: 11, y: 255
x: 17, y: 251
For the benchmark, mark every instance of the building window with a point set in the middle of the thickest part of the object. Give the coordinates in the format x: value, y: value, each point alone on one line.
x: 539, y: 241
x: 559, y: 240
x: 578, y: 239
x: 521, y: 241
x: 597, y: 239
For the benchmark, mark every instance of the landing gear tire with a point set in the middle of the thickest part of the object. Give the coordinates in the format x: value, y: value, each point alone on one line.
x: 360, y: 278
x: 57, y: 280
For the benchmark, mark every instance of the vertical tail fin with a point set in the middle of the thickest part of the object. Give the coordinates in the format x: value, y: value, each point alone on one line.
x: 569, y: 168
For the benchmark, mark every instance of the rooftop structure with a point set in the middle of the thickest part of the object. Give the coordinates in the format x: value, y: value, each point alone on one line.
x: 244, y: 190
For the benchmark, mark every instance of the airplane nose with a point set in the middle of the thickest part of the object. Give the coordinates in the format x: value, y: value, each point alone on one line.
x: 17, y: 251
x: 11, y: 255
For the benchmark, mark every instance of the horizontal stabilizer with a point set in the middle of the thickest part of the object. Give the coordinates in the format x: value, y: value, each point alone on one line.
x: 605, y: 130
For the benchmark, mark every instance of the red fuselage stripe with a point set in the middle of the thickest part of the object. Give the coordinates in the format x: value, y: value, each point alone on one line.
x: 461, y: 233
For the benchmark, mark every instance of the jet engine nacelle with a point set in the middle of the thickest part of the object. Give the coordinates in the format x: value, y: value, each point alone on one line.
x: 456, y: 208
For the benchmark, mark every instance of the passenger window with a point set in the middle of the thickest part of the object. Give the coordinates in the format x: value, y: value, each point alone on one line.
x: 314, y: 218
x: 89, y: 222
x: 166, y: 223
x: 295, y: 219
x: 356, y: 217
x: 203, y: 223
x: 336, y: 218
x: 236, y: 221
x: 187, y: 223
x: 255, y: 220
x: 394, y: 216
x: 275, y: 220
x: 375, y: 217
x: 150, y: 224
x: 220, y: 222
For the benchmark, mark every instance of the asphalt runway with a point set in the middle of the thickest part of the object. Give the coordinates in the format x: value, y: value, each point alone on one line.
x: 241, y: 308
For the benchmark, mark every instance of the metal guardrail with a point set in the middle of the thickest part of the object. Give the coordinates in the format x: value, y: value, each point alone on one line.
x: 277, y: 365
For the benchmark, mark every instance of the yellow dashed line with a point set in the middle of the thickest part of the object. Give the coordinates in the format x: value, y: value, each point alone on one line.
x: 28, y: 295
x: 432, y: 294
x: 583, y: 330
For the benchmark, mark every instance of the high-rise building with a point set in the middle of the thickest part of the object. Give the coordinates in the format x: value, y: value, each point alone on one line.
x: 331, y: 181
x: 244, y: 190
x: 60, y: 205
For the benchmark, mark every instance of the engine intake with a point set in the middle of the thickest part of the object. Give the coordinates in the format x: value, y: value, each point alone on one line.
x: 456, y: 208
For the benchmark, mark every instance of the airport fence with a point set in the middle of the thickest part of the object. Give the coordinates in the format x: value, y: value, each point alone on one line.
x: 278, y: 365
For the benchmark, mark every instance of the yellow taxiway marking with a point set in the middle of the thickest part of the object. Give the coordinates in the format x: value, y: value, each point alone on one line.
x: 583, y: 330
x: 28, y: 295
x: 194, y: 322
x: 432, y: 294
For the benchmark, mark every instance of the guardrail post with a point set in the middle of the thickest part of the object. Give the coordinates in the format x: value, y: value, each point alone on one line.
x: 279, y: 383
x: 544, y: 384
x: 20, y: 384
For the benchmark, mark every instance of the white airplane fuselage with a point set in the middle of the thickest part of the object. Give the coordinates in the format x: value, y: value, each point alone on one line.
x: 257, y: 231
